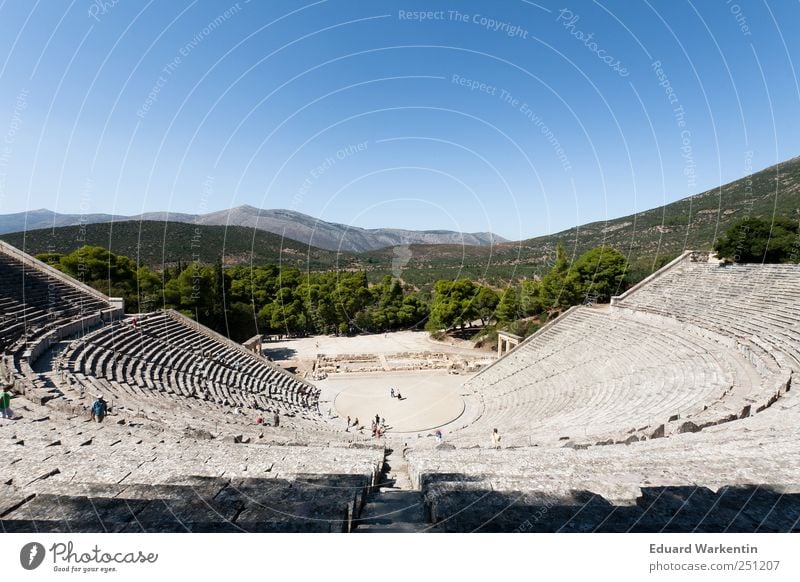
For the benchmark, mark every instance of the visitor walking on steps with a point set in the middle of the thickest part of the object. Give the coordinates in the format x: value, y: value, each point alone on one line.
x: 348, y: 425
x: 438, y: 435
x: 495, y: 439
x: 5, y: 402
x: 99, y: 409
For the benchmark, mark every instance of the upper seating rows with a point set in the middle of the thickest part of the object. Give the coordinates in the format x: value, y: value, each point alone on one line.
x: 163, y: 356
x: 32, y: 299
x: 746, y: 302
x: 68, y: 333
x: 598, y: 374
x: 696, y: 344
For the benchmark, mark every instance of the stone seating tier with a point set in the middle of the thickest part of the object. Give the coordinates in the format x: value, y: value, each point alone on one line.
x: 756, y: 303
x: 66, y: 474
x: 161, y: 359
x: 599, y: 373
x: 738, y: 476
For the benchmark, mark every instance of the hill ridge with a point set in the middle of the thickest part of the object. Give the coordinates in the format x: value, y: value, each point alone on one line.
x: 284, y: 222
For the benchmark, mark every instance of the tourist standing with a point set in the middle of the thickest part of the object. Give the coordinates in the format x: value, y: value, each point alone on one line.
x: 495, y: 439
x: 99, y: 409
x: 5, y: 402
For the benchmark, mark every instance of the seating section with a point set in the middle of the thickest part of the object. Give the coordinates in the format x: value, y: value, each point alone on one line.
x: 749, y: 303
x: 64, y: 343
x: 696, y: 345
x: 667, y: 347
x: 136, y: 362
x: 67, y: 474
x: 597, y: 375
x: 740, y: 476
x: 32, y: 300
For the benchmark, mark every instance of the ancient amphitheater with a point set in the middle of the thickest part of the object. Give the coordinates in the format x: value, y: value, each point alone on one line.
x: 669, y: 410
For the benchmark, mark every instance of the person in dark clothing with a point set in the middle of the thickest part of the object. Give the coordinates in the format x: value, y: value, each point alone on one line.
x: 99, y: 409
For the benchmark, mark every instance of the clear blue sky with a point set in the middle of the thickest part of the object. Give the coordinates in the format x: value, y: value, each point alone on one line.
x: 131, y: 107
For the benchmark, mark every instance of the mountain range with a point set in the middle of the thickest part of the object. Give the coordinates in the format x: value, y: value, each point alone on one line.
x: 647, y: 238
x: 286, y: 223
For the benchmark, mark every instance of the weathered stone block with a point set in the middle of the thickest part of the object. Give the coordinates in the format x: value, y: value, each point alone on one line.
x: 688, y: 426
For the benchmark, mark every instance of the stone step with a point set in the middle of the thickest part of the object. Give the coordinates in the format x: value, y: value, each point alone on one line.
x: 399, y: 480
x: 393, y: 511
x: 393, y: 528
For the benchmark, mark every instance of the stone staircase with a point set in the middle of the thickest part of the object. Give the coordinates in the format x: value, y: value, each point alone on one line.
x: 396, y: 507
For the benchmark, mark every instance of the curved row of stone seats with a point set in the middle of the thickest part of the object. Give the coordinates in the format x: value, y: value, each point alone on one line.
x: 597, y: 374
x: 211, y: 417
x: 749, y: 303
x: 33, y: 296
x: 63, y: 473
x: 242, y: 364
x: 40, y: 307
x: 163, y: 357
x: 183, y: 350
x: 742, y: 476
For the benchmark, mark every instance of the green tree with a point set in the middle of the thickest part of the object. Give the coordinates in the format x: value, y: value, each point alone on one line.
x: 485, y: 304
x: 414, y: 311
x: 242, y: 321
x: 452, y: 304
x: 558, y: 286
x: 114, y: 275
x: 149, y: 290
x: 753, y: 240
x: 191, y: 292
x: 530, y: 297
x: 254, y: 285
x: 288, y: 313
x: 508, y: 308
x: 598, y: 273
x: 352, y: 295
